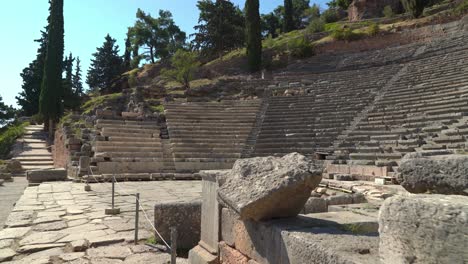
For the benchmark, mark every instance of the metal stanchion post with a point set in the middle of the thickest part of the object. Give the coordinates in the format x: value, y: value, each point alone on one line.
x: 137, y: 216
x: 113, y: 210
x: 173, y: 245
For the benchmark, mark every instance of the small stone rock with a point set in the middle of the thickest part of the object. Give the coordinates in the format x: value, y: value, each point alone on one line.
x: 79, y: 245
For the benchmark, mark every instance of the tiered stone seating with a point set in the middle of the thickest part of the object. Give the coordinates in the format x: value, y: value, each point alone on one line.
x: 424, y: 110
x: 128, y: 147
x: 311, y: 122
x: 209, y: 135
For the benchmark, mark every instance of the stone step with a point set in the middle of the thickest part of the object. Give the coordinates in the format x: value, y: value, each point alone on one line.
x: 134, y: 139
x: 37, y: 163
x: 449, y: 139
x: 375, y: 156
x: 129, y: 167
x: 134, y: 135
x: 126, y: 149
x: 123, y: 154
x: 115, y: 144
x: 37, y: 167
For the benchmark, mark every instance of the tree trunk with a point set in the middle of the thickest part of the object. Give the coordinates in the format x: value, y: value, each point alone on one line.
x: 51, y: 129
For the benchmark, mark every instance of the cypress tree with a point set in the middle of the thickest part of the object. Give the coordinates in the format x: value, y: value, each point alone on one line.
x: 77, y: 82
x: 288, y: 16
x: 50, y: 101
x: 127, y: 58
x: 254, y: 34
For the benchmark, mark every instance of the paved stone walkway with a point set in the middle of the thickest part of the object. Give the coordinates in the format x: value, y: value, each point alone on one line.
x: 61, y: 223
x: 10, y: 192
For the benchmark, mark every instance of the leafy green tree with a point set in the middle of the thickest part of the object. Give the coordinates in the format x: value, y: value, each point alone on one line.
x: 299, y: 8
x: 160, y: 37
x: 415, y: 7
x: 6, y: 112
x: 184, y: 64
x: 312, y: 13
x: 105, y: 66
x: 220, y: 27
x: 77, y: 82
x: 254, y: 34
x: 271, y: 25
x: 50, y: 101
x: 28, y: 98
x: 343, y: 4
x: 288, y: 16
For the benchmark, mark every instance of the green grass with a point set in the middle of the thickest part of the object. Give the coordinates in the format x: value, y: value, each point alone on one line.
x: 8, y: 137
x: 157, y: 108
x: 90, y: 105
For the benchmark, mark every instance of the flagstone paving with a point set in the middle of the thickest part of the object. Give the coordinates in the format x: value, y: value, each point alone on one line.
x: 61, y: 223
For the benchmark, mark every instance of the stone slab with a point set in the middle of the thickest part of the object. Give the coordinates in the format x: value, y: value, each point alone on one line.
x: 185, y: 217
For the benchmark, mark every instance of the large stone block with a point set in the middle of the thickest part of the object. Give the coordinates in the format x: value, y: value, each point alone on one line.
x: 445, y: 174
x: 210, y: 210
x: 424, y: 229
x: 185, y: 217
x: 38, y: 176
x: 270, y: 187
x: 305, y: 239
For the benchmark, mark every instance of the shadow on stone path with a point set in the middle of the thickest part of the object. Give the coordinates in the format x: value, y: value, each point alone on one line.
x: 10, y: 192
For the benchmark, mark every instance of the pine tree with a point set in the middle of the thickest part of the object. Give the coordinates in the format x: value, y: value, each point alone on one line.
x: 160, y: 37
x: 254, y: 34
x: 28, y: 98
x: 220, y: 27
x: 76, y: 81
x: 105, y: 66
x: 50, y: 102
x: 288, y: 16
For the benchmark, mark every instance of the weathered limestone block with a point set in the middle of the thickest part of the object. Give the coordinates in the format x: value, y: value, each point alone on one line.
x: 231, y: 256
x: 199, y: 255
x: 14, y: 166
x: 360, y: 9
x: 269, y: 187
x: 303, y: 239
x: 446, y: 174
x: 38, y: 176
x: 185, y: 217
x: 424, y: 229
x: 315, y: 205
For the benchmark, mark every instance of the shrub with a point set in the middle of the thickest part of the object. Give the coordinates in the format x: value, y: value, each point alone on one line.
x: 268, y: 42
x: 132, y: 81
x: 301, y: 48
x: 415, y: 7
x: 330, y: 15
x: 316, y: 25
x: 388, y: 12
x: 8, y: 137
x: 37, y: 119
x: 461, y: 8
x: 344, y: 33
x: 184, y: 64
x: 373, y: 29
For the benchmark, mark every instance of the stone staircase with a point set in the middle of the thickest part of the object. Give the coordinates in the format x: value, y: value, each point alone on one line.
x: 34, y: 154
x: 209, y: 135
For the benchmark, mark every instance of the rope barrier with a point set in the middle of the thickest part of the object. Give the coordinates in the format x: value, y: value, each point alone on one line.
x: 140, y: 205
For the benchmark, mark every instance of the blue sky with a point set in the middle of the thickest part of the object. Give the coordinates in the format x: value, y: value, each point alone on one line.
x: 86, y: 24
